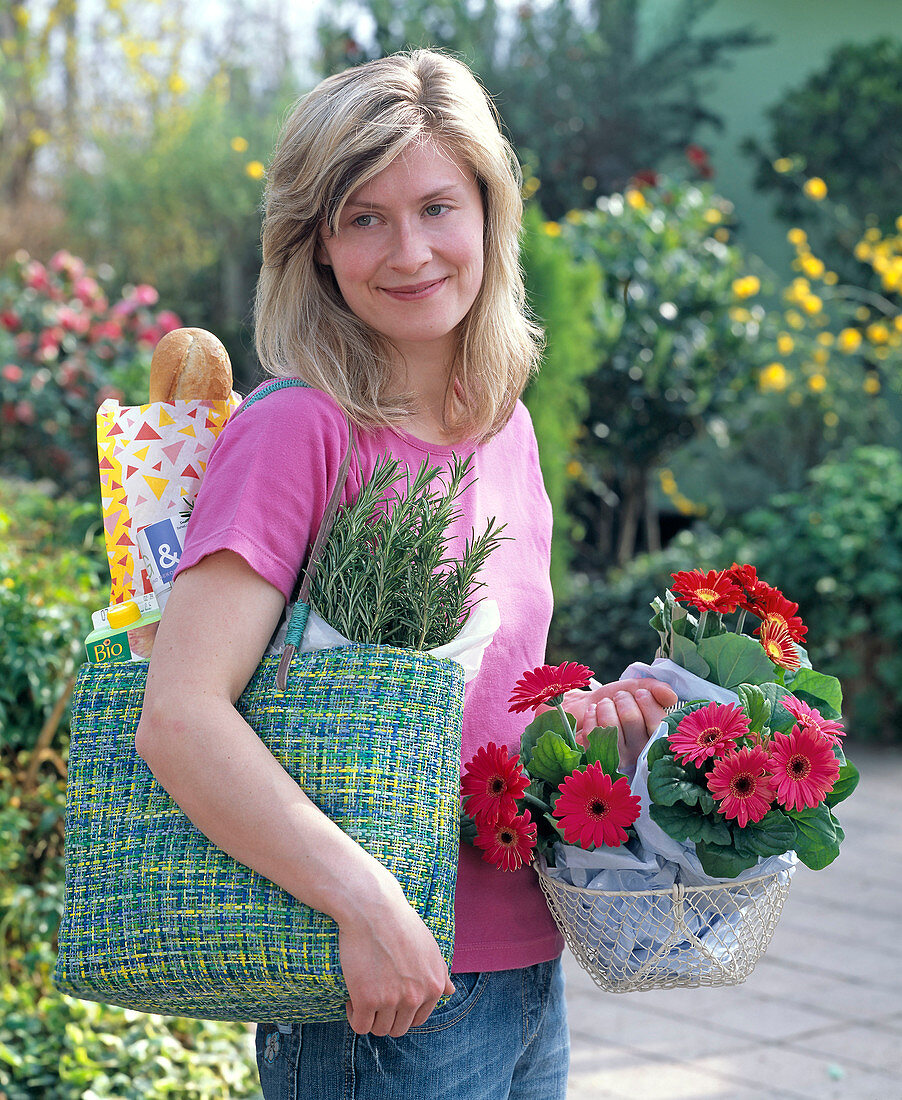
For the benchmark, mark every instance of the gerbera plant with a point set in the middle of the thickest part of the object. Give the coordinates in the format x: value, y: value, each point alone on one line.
x: 554, y: 789
x: 739, y: 781
x: 759, y: 777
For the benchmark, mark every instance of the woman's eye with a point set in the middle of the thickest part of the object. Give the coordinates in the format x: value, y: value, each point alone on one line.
x: 435, y: 209
x: 364, y: 221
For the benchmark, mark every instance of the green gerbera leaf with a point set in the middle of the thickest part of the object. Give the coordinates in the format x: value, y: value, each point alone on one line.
x: 670, y: 783
x: 773, y: 835
x: 721, y: 861
x: 680, y: 823
x: 818, y: 836
x: 548, y: 720
x: 686, y: 654
x: 656, y: 750
x: 779, y: 720
x: 553, y: 759
x: 818, y: 690
x: 756, y: 706
x: 846, y: 782
x: 603, y: 749
x: 735, y: 659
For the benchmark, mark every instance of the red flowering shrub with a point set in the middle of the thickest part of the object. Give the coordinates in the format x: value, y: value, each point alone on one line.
x: 65, y: 348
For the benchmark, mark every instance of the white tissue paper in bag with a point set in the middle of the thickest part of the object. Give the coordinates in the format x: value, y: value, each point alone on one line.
x: 467, y: 648
x: 632, y: 931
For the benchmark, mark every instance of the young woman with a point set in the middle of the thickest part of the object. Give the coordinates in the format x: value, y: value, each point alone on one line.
x: 390, y: 283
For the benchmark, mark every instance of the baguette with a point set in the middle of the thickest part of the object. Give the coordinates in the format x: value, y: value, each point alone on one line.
x: 190, y: 364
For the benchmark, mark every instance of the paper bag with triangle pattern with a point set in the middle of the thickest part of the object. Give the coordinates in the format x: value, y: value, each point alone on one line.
x: 152, y: 459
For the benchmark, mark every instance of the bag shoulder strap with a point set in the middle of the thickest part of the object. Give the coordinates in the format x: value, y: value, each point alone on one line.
x: 301, y: 609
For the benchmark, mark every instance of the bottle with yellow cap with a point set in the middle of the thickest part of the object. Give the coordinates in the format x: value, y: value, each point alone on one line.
x: 127, y: 635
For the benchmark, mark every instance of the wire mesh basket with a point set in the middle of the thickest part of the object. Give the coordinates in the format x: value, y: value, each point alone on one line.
x: 665, y: 938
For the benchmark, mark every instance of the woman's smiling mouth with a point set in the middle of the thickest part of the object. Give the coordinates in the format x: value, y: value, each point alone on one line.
x: 414, y: 292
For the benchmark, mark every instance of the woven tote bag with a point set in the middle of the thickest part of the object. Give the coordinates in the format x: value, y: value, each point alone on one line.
x: 158, y: 919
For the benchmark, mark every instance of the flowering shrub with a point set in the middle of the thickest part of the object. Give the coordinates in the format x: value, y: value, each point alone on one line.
x: 671, y: 353
x: 65, y: 348
x: 837, y: 545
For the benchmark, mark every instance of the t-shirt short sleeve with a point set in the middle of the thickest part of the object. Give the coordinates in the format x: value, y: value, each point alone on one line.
x: 268, y: 478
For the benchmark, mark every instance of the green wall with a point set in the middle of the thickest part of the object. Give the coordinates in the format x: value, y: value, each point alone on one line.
x: 803, y: 32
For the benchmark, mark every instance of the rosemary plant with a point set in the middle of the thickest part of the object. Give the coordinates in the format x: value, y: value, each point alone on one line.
x: 385, y: 574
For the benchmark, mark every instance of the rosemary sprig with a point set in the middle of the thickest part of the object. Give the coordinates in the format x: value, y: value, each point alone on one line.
x: 385, y: 574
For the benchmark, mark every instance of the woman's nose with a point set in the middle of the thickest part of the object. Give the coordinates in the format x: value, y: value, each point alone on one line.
x: 410, y: 248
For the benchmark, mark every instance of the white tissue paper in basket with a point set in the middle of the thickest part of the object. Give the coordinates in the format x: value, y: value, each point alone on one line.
x: 467, y: 648
x: 632, y: 931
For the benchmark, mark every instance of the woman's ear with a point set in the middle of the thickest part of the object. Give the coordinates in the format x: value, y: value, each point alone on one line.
x: 320, y: 253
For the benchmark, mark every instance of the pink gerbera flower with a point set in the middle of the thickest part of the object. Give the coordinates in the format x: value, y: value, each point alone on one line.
x: 811, y: 719
x: 593, y: 809
x: 547, y: 684
x: 804, y: 768
x: 710, y: 591
x: 492, y: 783
x: 508, y: 842
x: 778, y: 644
x: 742, y: 783
x: 709, y: 731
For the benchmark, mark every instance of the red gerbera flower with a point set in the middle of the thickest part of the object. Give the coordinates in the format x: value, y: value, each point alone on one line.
x: 508, y: 842
x: 746, y: 576
x: 547, y: 684
x: 711, y: 591
x: 492, y: 783
x: 804, y: 768
x: 770, y: 604
x: 743, y: 784
x: 594, y: 810
x: 778, y: 645
x: 709, y: 731
x: 811, y: 719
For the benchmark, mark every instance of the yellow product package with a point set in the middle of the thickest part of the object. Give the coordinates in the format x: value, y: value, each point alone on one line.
x: 152, y: 459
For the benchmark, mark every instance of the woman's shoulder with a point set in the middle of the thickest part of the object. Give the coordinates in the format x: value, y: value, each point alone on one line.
x: 519, y: 428
x: 289, y: 396
x: 283, y: 408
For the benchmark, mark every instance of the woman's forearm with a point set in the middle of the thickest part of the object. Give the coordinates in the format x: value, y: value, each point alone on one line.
x: 232, y: 788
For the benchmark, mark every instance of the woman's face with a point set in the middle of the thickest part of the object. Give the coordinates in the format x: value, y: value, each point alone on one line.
x: 408, y: 251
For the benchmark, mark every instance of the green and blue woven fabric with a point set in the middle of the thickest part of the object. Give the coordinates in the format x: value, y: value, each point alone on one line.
x: 158, y: 919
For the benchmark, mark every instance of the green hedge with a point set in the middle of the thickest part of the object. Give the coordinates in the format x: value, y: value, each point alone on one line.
x: 835, y: 548
x: 51, y: 1047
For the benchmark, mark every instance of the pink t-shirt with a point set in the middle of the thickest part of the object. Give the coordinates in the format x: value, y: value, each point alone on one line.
x: 269, y: 476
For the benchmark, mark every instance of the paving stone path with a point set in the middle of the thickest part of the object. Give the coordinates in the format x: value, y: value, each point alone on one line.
x: 819, y: 1019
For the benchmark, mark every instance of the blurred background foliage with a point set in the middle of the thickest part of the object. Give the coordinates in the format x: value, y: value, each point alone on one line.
x: 697, y: 406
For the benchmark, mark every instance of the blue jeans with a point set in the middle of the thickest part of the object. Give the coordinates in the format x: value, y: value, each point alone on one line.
x: 500, y: 1036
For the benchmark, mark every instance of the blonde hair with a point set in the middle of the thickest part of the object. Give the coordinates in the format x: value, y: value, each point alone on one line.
x: 336, y: 139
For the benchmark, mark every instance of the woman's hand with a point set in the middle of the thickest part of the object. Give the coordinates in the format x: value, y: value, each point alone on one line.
x: 393, y: 968
x: 635, y: 707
